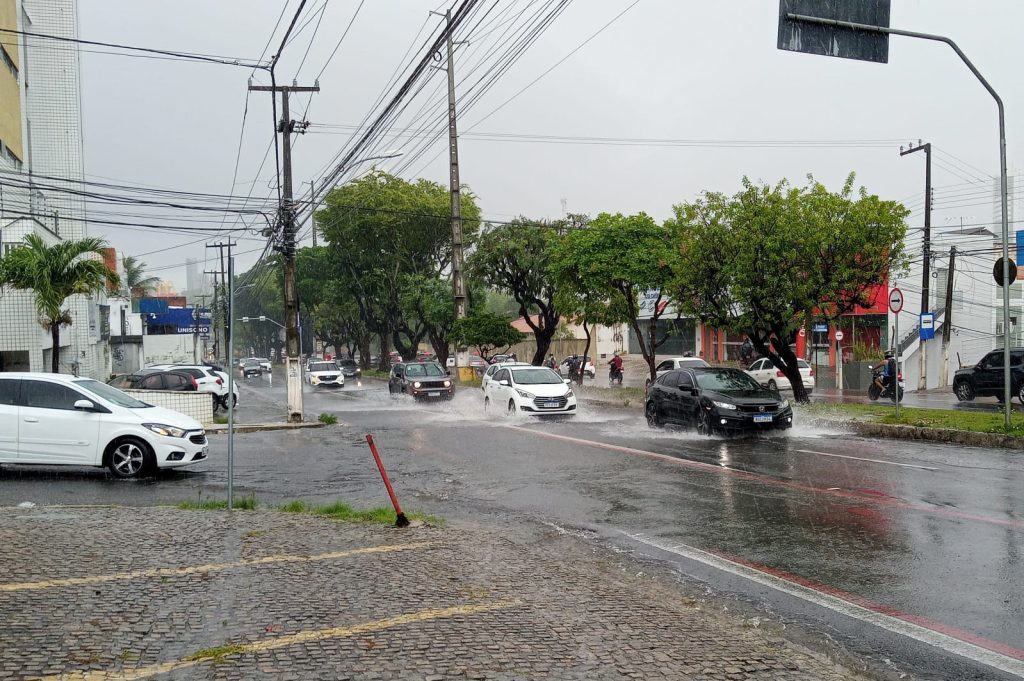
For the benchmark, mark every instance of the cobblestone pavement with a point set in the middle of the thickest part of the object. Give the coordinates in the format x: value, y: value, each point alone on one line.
x: 110, y: 593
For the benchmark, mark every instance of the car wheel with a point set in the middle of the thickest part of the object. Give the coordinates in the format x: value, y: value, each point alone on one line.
x: 653, y: 417
x: 128, y: 458
x: 964, y: 391
x: 1020, y: 393
x: 512, y: 409
x: 773, y: 386
x: 704, y: 422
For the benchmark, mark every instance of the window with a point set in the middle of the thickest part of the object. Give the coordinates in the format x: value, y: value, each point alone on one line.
x: 46, y: 395
x: 501, y: 375
x: 993, y: 360
x: 121, y: 382
x: 671, y: 379
x: 759, y: 365
x: 1016, y: 358
x: 8, y: 62
x: 492, y: 369
x: 535, y: 376
x: 194, y: 373
x: 8, y: 391
x: 664, y: 366
x: 176, y: 382
x: 685, y: 381
x: 152, y: 382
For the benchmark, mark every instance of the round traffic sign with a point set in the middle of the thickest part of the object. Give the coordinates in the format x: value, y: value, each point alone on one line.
x: 895, y: 300
x: 802, y: 332
x: 997, y: 271
x: 839, y: 335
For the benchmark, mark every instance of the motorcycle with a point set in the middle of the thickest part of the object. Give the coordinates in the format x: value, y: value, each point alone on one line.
x: 874, y: 392
x: 614, y: 375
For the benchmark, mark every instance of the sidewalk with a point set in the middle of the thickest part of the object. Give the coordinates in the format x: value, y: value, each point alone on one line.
x: 141, y: 593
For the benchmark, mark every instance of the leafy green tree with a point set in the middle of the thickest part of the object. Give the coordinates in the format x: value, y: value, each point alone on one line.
x: 514, y: 259
x: 486, y: 332
x: 616, y: 260
x: 54, y: 274
x: 259, y: 292
x: 762, y: 260
x: 136, y: 282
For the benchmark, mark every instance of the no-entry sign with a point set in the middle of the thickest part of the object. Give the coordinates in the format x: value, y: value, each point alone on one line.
x: 839, y: 335
x: 895, y: 300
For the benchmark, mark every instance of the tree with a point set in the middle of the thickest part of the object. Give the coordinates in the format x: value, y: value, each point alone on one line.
x: 485, y: 332
x: 514, y: 258
x: 761, y: 261
x: 54, y: 274
x: 619, y: 260
x: 136, y: 282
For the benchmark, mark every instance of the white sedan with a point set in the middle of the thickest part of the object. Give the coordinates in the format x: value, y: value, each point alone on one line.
x: 529, y: 390
x: 493, y: 369
x: 765, y: 373
x: 674, y: 364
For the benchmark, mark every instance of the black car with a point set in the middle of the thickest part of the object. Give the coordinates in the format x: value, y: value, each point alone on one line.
x: 985, y: 379
x: 350, y: 368
x: 252, y: 367
x: 422, y: 380
x: 155, y: 379
x: 715, y: 399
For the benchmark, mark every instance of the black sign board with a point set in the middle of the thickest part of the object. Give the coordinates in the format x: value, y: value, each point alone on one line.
x: 835, y: 41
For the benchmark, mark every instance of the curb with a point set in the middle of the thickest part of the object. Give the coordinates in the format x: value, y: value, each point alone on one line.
x: 944, y: 435
x: 222, y: 428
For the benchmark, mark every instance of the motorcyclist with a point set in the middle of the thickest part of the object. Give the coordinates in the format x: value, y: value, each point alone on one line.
x: 552, y: 363
x: 616, y: 365
x: 888, y: 370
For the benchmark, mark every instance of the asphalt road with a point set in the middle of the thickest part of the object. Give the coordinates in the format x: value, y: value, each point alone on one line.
x: 905, y: 551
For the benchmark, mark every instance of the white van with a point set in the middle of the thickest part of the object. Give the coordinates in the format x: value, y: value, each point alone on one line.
x: 57, y: 419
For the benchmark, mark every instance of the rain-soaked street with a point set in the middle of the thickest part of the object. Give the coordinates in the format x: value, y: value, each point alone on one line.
x: 904, y: 550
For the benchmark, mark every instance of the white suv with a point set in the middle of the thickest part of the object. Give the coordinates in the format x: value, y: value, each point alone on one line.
x: 60, y: 419
x: 208, y: 380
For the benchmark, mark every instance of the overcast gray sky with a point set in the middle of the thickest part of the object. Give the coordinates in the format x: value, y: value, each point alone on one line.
x: 666, y: 69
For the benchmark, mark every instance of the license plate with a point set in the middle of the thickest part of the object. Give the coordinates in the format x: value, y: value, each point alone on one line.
x: 552, y: 405
x: 762, y: 418
x: 434, y: 394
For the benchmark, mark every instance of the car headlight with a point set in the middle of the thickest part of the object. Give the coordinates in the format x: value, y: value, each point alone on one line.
x: 523, y: 393
x: 725, y: 405
x: 570, y: 394
x: 166, y: 431
x: 314, y: 379
x: 417, y: 384
x: 784, y: 404
x: 447, y: 384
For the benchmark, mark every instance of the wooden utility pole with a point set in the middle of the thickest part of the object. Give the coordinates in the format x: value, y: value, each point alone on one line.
x: 947, y: 327
x: 293, y: 362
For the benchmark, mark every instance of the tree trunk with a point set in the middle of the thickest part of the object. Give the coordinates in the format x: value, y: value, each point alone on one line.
x: 586, y: 351
x: 384, y: 362
x: 790, y: 368
x: 364, y: 351
x: 55, y: 353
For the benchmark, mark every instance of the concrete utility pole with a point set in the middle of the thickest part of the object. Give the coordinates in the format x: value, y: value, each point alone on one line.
x: 293, y: 362
x: 220, y: 298
x: 948, y: 326
x: 922, y: 381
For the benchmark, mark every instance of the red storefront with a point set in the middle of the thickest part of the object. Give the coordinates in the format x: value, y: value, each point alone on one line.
x: 864, y: 333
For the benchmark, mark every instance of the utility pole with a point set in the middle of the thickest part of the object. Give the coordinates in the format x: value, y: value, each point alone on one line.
x: 293, y: 362
x: 219, y: 298
x: 947, y: 327
x: 922, y: 382
x: 312, y: 210
x: 458, y: 280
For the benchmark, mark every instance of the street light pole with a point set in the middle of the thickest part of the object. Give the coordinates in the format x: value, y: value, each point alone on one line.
x: 1007, y: 408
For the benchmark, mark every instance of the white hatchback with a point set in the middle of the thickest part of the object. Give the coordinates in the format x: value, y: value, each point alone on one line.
x: 765, y: 373
x: 529, y: 390
x: 64, y: 420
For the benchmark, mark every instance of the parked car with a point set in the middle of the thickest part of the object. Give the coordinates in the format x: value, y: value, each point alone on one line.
x: 715, y: 399
x: 422, y: 380
x: 499, y: 359
x: 251, y: 368
x: 588, y: 368
x: 56, y: 419
x: 155, y: 379
x: 208, y: 380
x: 765, y: 373
x: 265, y: 364
x: 985, y: 379
x: 675, y: 363
x: 349, y: 368
x: 529, y: 390
x: 493, y: 369
x: 326, y: 374
x: 475, y: 361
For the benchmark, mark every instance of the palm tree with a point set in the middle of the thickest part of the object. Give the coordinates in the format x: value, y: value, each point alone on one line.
x: 135, y: 279
x: 54, y: 274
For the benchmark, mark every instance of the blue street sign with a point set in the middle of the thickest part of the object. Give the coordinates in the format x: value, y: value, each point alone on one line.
x: 1020, y: 248
x: 820, y: 328
x: 927, y: 325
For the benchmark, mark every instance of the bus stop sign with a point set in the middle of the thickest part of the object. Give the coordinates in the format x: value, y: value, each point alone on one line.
x: 835, y: 41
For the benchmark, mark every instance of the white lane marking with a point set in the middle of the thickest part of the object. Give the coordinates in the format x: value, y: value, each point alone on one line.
x: 860, y: 458
x: 888, y: 622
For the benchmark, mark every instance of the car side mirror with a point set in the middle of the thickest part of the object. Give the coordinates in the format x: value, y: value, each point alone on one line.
x: 503, y: 383
x: 568, y: 381
x: 447, y: 372
x: 694, y: 392
x: 84, y: 405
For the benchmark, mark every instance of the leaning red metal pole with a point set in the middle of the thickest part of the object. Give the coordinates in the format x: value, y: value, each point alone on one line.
x: 400, y: 519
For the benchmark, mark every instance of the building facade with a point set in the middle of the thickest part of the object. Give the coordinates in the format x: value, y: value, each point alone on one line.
x: 41, y: 178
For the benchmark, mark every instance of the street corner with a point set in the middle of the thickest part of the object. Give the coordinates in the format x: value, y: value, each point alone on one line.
x: 199, y: 594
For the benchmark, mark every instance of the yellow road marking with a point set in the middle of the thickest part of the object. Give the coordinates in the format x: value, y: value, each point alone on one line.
x: 284, y: 641
x: 212, y: 567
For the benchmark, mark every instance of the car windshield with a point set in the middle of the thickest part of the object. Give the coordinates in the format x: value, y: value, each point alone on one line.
x: 535, y: 376
x: 110, y: 394
x: 693, y: 362
x: 347, y: 363
x: 251, y: 363
x: 727, y: 381
x: 324, y: 366
x: 420, y: 370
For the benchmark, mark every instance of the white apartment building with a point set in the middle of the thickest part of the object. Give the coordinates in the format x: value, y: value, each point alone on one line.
x: 41, y: 167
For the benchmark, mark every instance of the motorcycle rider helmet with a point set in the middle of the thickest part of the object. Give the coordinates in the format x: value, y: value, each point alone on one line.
x: 888, y: 354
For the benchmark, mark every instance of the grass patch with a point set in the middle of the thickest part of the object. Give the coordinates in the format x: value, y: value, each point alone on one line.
x: 328, y: 419
x: 952, y: 419
x: 217, y: 654
x: 247, y: 503
x: 376, y: 373
x: 342, y: 511
x: 220, y: 418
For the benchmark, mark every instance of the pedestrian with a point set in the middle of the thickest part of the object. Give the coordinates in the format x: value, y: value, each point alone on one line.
x: 513, y: 357
x: 552, y: 363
